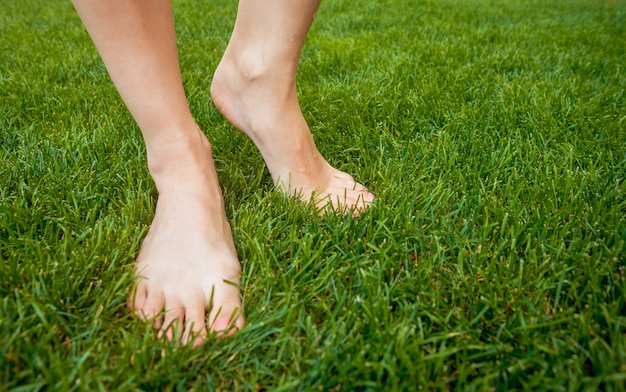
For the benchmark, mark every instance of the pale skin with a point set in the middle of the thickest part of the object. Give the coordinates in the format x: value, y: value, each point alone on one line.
x: 188, y: 264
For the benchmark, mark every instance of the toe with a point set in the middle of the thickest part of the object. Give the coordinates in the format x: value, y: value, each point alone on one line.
x: 194, y: 329
x: 173, y: 320
x: 368, y: 196
x: 151, y: 310
x: 226, y: 314
x: 138, y: 296
x: 226, y: 320
x: 358, y: 187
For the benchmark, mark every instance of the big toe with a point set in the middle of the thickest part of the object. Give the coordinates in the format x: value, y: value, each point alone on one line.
x: 226, y: 319
x: 345, y: 201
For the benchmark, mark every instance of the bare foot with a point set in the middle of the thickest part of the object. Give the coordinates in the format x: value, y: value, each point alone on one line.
x: 188, y: 262
x: 262, y: 103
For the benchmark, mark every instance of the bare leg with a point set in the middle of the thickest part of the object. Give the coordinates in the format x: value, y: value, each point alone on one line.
x: 255, y: 89
x: 187, y: 261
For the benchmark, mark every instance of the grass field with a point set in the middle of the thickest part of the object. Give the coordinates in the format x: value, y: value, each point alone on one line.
x: 492, y: 131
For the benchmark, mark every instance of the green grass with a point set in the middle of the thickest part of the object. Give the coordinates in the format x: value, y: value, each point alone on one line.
x: 493, y: 133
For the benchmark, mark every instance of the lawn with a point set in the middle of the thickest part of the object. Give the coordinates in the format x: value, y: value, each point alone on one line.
x: 493, y: 133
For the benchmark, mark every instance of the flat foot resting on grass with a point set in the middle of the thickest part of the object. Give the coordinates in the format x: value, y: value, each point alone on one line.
x: 188, y: 263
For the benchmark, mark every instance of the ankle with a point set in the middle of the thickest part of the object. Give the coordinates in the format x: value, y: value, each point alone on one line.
x: 250, y: 66
x: 181, y: 158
